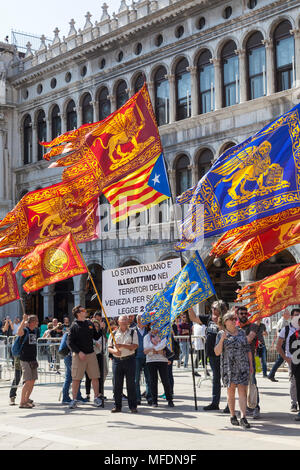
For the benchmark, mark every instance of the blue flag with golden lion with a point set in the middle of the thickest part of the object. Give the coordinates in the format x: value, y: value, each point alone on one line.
x: 189, y: 287
x: 256, y: 179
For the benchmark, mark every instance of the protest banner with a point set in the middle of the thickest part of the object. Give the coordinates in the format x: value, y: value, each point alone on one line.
x: 127, y: 290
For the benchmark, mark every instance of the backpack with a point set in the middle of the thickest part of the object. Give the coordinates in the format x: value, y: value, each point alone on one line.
x: 64, y: 349
x: 18, y: 344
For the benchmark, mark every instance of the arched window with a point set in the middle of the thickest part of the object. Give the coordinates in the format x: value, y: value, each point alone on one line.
x: 204, y: 160
x: 206, y: 82
x: 27, y: 140
x: 284, y: 56
x: 139, y: 82
x: 87, y: 109
x: 104, y: 104
x: 183, y: 90
x: 55, y: 122
x: 71, y: 116
x: 256, y: 61
x: 162, y: 96
x: 183, y: 175
x: 121, y: 94
x: 226, y: 147
x: 41, y: 133
x: 230, y: 70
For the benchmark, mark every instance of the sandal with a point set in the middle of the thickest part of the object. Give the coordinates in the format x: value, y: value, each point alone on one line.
x: 25, y: 405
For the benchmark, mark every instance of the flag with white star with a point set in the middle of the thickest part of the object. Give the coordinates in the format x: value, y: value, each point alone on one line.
x: 139, y: 191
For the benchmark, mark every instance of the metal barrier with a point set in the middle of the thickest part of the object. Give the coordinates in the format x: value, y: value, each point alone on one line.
x: 51, y: 368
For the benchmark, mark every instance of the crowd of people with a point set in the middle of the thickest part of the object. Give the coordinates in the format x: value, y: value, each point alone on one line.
x: 225, y: 340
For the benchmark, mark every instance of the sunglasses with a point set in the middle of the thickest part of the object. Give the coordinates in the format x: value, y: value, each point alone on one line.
x: 243, y: 313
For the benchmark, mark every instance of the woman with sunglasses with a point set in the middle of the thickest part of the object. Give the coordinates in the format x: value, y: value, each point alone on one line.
x: 236, y: 365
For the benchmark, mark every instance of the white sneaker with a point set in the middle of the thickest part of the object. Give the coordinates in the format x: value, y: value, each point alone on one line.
x: 73, y: 404
x: 98, y: 402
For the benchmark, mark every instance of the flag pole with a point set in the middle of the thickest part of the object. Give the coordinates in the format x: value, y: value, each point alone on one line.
x: 97, y: 293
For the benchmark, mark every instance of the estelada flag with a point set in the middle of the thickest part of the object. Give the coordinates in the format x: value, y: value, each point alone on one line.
x: 123, y: 149
x: 260, y: 248
x: 47, y: 213
x: 272, y: 294
x: 8, y: 285
x: 51, y: 262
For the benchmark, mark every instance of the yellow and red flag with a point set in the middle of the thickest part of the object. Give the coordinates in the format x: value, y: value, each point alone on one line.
x: 47, y: 213
x: 122, y: 153
x: 51, y: 262
x: 229, y: 240
x: 262, y: 247
x: 272, y: 294
x: 8, y: 285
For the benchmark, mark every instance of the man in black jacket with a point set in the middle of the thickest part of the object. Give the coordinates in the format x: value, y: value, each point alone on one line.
x: 80, y: 341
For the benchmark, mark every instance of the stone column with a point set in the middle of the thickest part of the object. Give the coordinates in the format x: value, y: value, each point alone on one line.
x: 48, y: 295
x: 95, y: 110
x: 193, y: 170
x: 49, y: 130
x: 242, y: 74
x: 113, y: 102
x: 270, y: 65
x: 79, y: 116
x: 63, y: 123
x: 296, y: 34
x: 194, y: 90
x: 218, y: 82
x: 172, y: 107
x: 34, y: 143
x: 172, y: 181
x: 2, y: 165
x: 152, y: 93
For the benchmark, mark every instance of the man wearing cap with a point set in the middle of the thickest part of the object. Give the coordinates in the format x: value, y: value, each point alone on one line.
x: 123, y: 347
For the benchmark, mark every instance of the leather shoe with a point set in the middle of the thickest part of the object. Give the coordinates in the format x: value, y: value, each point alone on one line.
x: 272, y: 379
x: 134, y: 410
x: 211, y: 407
x: 171, y: 404
x: 116, y: 410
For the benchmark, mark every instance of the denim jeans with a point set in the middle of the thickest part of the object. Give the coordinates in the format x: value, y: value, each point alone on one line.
x: 68, y: 380
x: 216, y: 381
x: 124, y: 368
x: 263, y: 359
x: 185, y: 350
x: 140, y: 364
x: 276, y: 366
x: 15, y: 383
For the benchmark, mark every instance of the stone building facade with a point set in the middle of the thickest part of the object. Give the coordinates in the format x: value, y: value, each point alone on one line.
x: 217, y: 72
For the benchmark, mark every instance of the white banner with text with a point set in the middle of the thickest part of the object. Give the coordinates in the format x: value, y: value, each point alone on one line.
x: 128, y: 290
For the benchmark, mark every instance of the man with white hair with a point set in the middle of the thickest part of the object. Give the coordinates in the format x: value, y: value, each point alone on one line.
x: 123, y: 351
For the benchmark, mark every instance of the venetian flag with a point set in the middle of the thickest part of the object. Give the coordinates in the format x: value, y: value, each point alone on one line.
x: 272, y: 294
x: 8, y: 285
x: 47, y: 213
x: 249, y: 183
x: 189, y: 287
x: 51, y: 262
x: 260, y: 248
x: 121, y: 154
